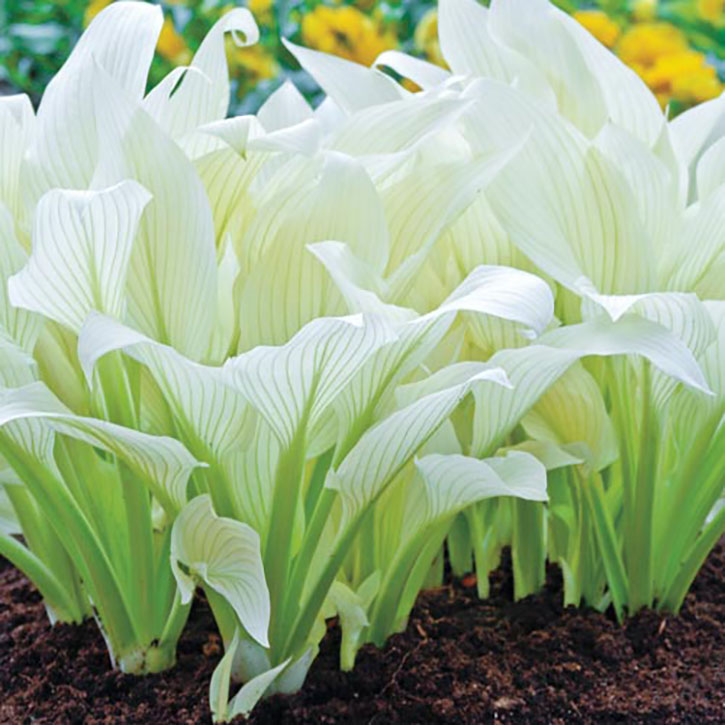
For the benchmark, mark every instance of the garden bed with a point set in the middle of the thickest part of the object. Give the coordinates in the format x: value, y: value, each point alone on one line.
x: 461, y: 660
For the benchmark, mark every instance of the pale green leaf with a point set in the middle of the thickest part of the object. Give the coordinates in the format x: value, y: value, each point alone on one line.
x: 82, y: 245
x: 17, y: 326
x: 212, y: 416
x: 632, y: 335
x: 285, y: 107
x: 572, y: 410
x: 470, y: 48
x: 121, y: 41
x: 711, y: 169
x: 552, y: 456
x: 421, y: 72
x: 174, y: 257
x: 531, y: 370
x: 162, y: 462
x: 202, y: 94
x: 351, y: 86
x: 628, y: 101
x: 384, y: 449
x: 532, y: 29
x: 17, y: 122
x: 292, y: 385
x: 225, y: 555
x: 700, y: 245
x: 453, y: 482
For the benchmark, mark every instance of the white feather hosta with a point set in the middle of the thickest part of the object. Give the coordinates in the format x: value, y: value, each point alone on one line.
x: 238, y: 352
x: 623, y: 210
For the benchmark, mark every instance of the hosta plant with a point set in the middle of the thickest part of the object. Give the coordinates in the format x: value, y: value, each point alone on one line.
x: 625, y: 228
x: 288, y: 358
x: 150, y: 442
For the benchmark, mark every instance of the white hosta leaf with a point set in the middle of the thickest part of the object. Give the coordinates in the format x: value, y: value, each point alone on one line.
x: 364, y: 396
x: 244, y: 701
x: 497, y: 291
x: 531, y: 370
x: 424, y: 203
x: 694, y: 131
x: 17, y: 367
x: 17, y: 326
x: 253, y: 691
x: 552, y: 456
x: 337, y: 200
x: 174, y: 257
x: 286, y: 286
x: 237, y: 132
x: 293, y: 385
x: 17, y: 122
x: 681, y: 313
x: 454, y: 482
x: 162, y: 462
x: 82, y: 244
x: 628, y: 101
x: 532, y: 29
x: 383, y: 450
x: 359, y: 283
x: 351, y: 86
x: 284, y: 122
x: 305, y: 138
x: 470, y: 48
x: 711, y: 169
x: 287, y: 290
x: 285, y: 107
x: 425, y: 74
x: 582, y: 222
x: 227, y: 179
x: 225, y: 330
x: 202, y: 95
x: 652, y: 182
x: 713, y: 360
x: 397, y: 126
x: 252, y: 470
x: 448, y: 376
x: 689, y: 409
x: 504, y: 292
x: 120, y: 40
x: 700, y: 244
x: 475, y: 236
x: 632, y: 335
x: 572, y: 411
x: 208, y: 410
x: 225, y: 555
x: 352, y: 607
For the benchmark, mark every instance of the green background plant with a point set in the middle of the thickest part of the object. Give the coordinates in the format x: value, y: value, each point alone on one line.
x: 37, y: 37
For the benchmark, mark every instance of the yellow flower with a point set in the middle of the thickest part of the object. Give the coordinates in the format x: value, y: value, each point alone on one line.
x: 92, y: 9
x: 659, y: 53
x: 712, y: 10
x: 426, y: 38
x: 346, y: 32
x: 171, y: 45
x: 600, y: 25
x: 253, y: 61
x: 683, y: 76
x: 261, y: 9
x: 644, y: 43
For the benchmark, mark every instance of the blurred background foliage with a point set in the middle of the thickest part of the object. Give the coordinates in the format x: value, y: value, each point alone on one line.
x: 676, y: 46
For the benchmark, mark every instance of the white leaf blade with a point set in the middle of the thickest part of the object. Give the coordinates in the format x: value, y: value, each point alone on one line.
x: 82, y: 245
x: 225, y: 554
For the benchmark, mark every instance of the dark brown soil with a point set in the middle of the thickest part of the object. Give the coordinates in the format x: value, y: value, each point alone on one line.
x: 460, y: 661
